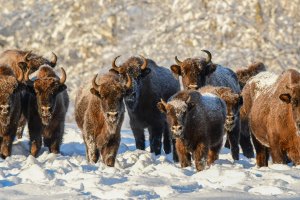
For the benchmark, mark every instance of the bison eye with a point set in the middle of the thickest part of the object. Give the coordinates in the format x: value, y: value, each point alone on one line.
x: 295, y: 102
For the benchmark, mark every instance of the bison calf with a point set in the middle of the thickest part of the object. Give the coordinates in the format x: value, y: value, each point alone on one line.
x: 99, y: 113
x: 197, y: 123
x: 233, y: 103
x: 47, y: 107
x: 10, y: 108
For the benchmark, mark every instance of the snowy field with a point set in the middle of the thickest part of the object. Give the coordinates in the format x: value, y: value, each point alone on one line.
x: 137, y: 175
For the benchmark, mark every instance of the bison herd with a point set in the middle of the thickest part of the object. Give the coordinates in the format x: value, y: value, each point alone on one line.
x: 249, y: 106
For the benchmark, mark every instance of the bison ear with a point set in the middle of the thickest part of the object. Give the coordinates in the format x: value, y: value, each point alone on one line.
x: 161, y: 107
x: 23, y: 66
x: 61, y: 88
x: 210, y: 68
x: 285, y: 98
x: 95, y: 92
x: 145, y: 72
x: 176, y: 70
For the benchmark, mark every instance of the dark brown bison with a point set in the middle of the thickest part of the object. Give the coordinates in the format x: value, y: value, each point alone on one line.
x: 47, y: 107
x: 20, y: 61
x: 99, y: 113
x: 275, y: 120
x: 10, y: 108
x: 244, y: 74
x: 150, y: 84
x: 197, y: 123
x: 198, y: 72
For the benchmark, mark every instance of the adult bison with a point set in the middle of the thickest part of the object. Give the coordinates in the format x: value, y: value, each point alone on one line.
x: 10, y: 108
x: 198, y: 72
x: 99, y: 113
x: 47, y: 107
x: 275, y: 120
x: 197, y: 123
x: 21, y: 61
x: 150, y: 84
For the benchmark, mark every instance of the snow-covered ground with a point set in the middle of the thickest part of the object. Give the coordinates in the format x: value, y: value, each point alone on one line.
x: 137, y: 174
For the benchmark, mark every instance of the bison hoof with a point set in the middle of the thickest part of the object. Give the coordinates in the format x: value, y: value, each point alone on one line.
x: 110, y: 161
x: 34, y: 149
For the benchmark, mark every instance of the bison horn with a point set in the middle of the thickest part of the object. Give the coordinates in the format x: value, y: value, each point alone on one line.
x: 129, y: 82
x: 208, y: 55
x: 54, y: 60
x: 26, y: 78
x: 95, y: 85
x: 145, y: 63
x: 163, y: 102
x: 27, y: 55
x: 62, y: 80
x: 178, y: 61
x: 21, y: 77
x: 188, y: 100
x: 115, y: 67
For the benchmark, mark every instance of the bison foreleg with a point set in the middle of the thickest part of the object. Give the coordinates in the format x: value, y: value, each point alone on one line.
x: 234, y: 137
x: 277, y: 154
x: 183, y: 154
x: 200, y: 155
x: 139, y: 137
x: 92, y: 154
x: 6, y: 145
x: 155, y: 136
x: 167, y: 139
x: 245, y: 140
x: 262, y: 153
x: 213, y: 154
x: 35, y: 146
x: 109, y: 152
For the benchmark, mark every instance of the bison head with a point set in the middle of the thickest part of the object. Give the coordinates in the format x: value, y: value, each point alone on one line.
x: 111, y: 95
x: 176, y: 111
x: 32, y: 62
x: 137, y: 69
x: 233, y: 103
x: 193, y: 71
x: 46, y: 90
x: 293, y: 98
x: 9, y: 89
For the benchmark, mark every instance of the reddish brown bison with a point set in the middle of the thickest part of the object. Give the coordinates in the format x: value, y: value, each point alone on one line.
x: 150, y: 84
x: 275, y: 118
x: 20, y: 61
x: 197, y: 123
x: 47, y: 107
x: 198, y: 72
x: 10, y: 108
x: 99, y: 113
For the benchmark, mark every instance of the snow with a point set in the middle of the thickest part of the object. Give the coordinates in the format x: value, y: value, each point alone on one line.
x: 137, y: 174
